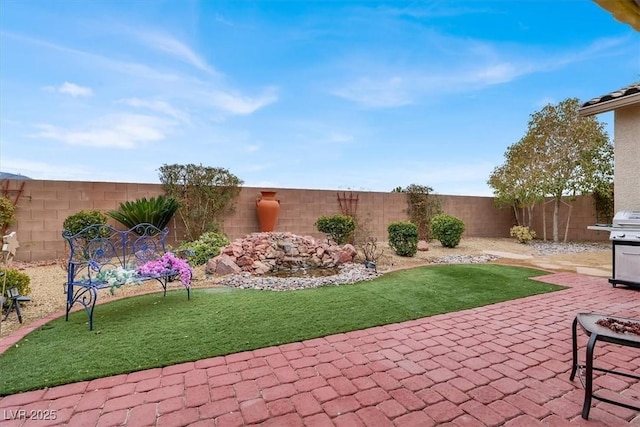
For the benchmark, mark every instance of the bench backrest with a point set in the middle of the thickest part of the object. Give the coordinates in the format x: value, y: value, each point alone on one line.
x: 101, y: 245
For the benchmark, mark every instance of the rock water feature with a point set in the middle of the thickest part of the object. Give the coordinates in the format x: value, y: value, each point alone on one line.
x: 256, y: 260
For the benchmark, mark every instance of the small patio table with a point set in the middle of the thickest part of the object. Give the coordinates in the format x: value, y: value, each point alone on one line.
x: 596, y: 332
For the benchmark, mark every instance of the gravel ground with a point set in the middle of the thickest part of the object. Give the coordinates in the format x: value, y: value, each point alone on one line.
x: 47, y: 278
x: 548, y: 248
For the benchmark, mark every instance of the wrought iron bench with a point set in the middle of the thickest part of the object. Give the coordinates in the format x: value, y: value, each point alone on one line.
x: 100, y: 256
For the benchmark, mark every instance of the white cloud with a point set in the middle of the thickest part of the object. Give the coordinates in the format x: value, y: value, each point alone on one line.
x: 240, y: 104
x: 376, y: 93
x: 222, y: 20
x: 435, y: 9
x: 409, y: 86
x: 461, y: 65
x: 338, y: 137
x: 70, y: 89
x: 114, y: 131
x: 210, y: 93
x: 168, y: 44
x: 497, y: 73
x: 252, y: 148
x: 158, y: 106
x: 100, y: 62
x: 75, y: 90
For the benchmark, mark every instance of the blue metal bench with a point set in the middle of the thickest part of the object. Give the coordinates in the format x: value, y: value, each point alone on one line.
x: 99, y: 248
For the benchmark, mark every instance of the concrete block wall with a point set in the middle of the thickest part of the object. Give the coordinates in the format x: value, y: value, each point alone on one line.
x: 583, y: 214
x: 300, y: 208
x: 44, y: 205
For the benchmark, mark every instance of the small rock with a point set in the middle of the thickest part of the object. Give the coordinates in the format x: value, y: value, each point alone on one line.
x: 349, y: 273
x: 423, y: 245
x: 244, y: 260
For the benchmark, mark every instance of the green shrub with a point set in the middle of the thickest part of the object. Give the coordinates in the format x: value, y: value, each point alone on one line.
x: 339, y: 227
x: 447, y: 229
x: 79, y: 221
x: 522, y: 233
x: 7, y: 213
x: 202, y: 250
x: 157, y: 211
x: 16, y: 279
x: 403, y: 238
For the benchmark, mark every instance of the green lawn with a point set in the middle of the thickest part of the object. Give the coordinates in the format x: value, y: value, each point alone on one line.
x: 151, y: 330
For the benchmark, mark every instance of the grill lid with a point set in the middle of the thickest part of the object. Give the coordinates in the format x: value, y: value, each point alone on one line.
x: 627, y: 219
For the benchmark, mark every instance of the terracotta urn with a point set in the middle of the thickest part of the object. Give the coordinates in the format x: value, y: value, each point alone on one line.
x: 267, y: 208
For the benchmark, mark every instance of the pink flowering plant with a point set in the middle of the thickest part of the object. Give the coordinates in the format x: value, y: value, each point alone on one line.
x: 167, y: 263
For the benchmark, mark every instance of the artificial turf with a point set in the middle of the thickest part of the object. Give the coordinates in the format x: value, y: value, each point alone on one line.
x: 151, y: 331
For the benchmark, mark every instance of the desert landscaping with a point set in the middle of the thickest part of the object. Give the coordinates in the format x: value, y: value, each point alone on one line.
x: 48, y: 277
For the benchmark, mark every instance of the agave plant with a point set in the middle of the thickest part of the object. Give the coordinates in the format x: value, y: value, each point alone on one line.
x: 157, y: 211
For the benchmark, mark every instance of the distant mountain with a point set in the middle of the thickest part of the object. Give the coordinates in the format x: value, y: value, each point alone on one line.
x: 7, y: 175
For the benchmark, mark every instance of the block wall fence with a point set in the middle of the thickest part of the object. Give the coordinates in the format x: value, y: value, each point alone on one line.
x: 44, y: 205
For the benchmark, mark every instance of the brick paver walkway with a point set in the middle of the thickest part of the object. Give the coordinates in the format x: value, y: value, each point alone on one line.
x: 504, y: 364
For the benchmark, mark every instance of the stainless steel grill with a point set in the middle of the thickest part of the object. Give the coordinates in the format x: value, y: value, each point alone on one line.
x: 624, y: 234
x: 626, y: 226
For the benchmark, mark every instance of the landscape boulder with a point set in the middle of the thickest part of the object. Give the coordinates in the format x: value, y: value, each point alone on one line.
x: 260, y: 253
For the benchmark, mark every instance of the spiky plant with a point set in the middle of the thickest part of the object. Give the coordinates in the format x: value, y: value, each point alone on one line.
x: 157, y: 211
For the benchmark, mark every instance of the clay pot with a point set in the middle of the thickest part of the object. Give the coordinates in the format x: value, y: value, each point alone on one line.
x: 268, y: 208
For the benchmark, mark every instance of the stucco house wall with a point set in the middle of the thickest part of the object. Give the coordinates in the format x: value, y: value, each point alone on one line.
x: 627, y: 158
x: 625, y: 104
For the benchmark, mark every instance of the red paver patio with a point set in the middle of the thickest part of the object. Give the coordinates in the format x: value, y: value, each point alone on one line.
x: 504, y: 364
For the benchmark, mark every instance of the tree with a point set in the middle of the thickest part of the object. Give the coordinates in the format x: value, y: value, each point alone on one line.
x: 206, y: 194
x: 561, y: 154
x: 574, y: 152
x: 516, y: 182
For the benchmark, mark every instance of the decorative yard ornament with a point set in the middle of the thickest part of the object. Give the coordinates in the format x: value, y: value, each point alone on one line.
x: 9, y: 245
x: 268, y: 208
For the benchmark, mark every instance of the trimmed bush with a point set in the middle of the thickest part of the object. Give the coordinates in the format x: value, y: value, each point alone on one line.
x: 79, y: 221
x: 447, y: 229
x: 403, y: 238
x: 15, y: 279
x: 339, y: 227
x: 522, y: 233
x: 202, y: 250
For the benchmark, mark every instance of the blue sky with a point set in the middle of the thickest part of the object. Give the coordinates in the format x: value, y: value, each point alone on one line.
x: 329, y: 95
